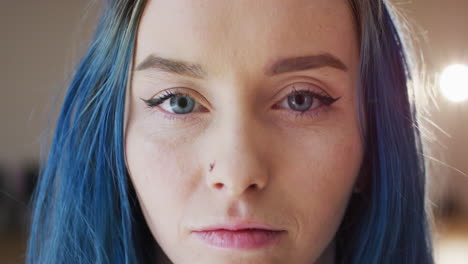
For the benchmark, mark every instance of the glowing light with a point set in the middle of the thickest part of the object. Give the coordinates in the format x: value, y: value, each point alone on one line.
x: 454, y: 82
x: 452, y: 250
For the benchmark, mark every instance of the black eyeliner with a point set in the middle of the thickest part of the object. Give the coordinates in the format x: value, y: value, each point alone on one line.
x: 327, y: 100
x: 324, y: 99
x: 159, y: 100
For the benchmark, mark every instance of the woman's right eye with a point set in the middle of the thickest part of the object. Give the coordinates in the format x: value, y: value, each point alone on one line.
x: 175, y: 103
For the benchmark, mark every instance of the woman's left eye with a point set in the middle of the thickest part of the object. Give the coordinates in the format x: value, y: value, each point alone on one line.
x: 305, y: 102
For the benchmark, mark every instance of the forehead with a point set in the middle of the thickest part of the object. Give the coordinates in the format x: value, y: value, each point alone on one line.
x: 243, y: 35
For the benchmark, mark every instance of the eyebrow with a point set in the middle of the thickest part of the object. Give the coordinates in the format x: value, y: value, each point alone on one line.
x: 305, y: 63
x: 284, y: 65
x: 172, y: 66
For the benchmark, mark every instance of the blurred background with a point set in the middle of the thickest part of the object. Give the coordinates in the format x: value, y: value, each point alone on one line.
x: 42, y: 40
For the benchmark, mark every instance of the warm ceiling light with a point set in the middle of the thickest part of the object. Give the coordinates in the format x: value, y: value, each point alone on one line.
x: 454, y: 82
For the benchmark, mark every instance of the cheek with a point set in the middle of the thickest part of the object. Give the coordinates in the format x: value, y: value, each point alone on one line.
x: 157, y: 171
x: 330, y: 163
x: 318, y: 176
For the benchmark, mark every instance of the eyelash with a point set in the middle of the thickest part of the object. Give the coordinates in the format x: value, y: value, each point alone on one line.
x: 324, y: 99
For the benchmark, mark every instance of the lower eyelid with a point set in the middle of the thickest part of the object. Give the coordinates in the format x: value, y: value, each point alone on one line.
x: 298, y: 114
x: 316, y: 115
x: 178, y: 118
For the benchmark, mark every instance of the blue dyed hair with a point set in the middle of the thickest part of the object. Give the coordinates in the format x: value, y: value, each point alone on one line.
x: 85, y: 209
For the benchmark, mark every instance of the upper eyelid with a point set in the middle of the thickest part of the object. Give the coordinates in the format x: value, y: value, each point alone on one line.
x: 316, y: 88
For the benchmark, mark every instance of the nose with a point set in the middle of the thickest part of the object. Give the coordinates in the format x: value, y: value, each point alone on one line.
x: 238, y: 160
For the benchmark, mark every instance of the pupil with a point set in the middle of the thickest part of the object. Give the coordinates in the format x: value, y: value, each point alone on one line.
x: 299, y: 99
x: 183, y: 102
x: 300, y: 102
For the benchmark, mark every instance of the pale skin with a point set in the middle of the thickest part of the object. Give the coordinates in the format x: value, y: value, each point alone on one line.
x: 241, y: 152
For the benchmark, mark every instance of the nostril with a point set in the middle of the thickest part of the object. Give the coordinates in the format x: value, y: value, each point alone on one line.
x: 253, y: 186
x: 218, y: 185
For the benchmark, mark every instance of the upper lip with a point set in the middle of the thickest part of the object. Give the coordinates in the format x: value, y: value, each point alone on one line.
x: 236, y: 226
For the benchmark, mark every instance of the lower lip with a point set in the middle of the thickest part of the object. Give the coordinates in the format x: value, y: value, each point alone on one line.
x: 240, y: 239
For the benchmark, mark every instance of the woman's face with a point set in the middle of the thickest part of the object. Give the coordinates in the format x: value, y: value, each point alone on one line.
x: 256, y: 159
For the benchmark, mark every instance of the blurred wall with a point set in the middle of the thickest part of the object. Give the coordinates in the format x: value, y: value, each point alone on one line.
x: 441, y: 30
x: 40, y: 42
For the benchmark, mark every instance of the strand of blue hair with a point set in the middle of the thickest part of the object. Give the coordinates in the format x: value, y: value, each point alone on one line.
x: 388, y: 223
x: 82, y: 211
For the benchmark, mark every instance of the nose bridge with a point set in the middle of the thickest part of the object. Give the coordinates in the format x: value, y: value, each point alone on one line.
x: 238, y: 154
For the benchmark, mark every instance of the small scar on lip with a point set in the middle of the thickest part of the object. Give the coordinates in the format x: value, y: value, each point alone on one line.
x: 211, y: 166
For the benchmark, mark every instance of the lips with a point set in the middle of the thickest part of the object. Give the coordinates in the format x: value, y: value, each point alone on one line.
x: 239, y: 235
